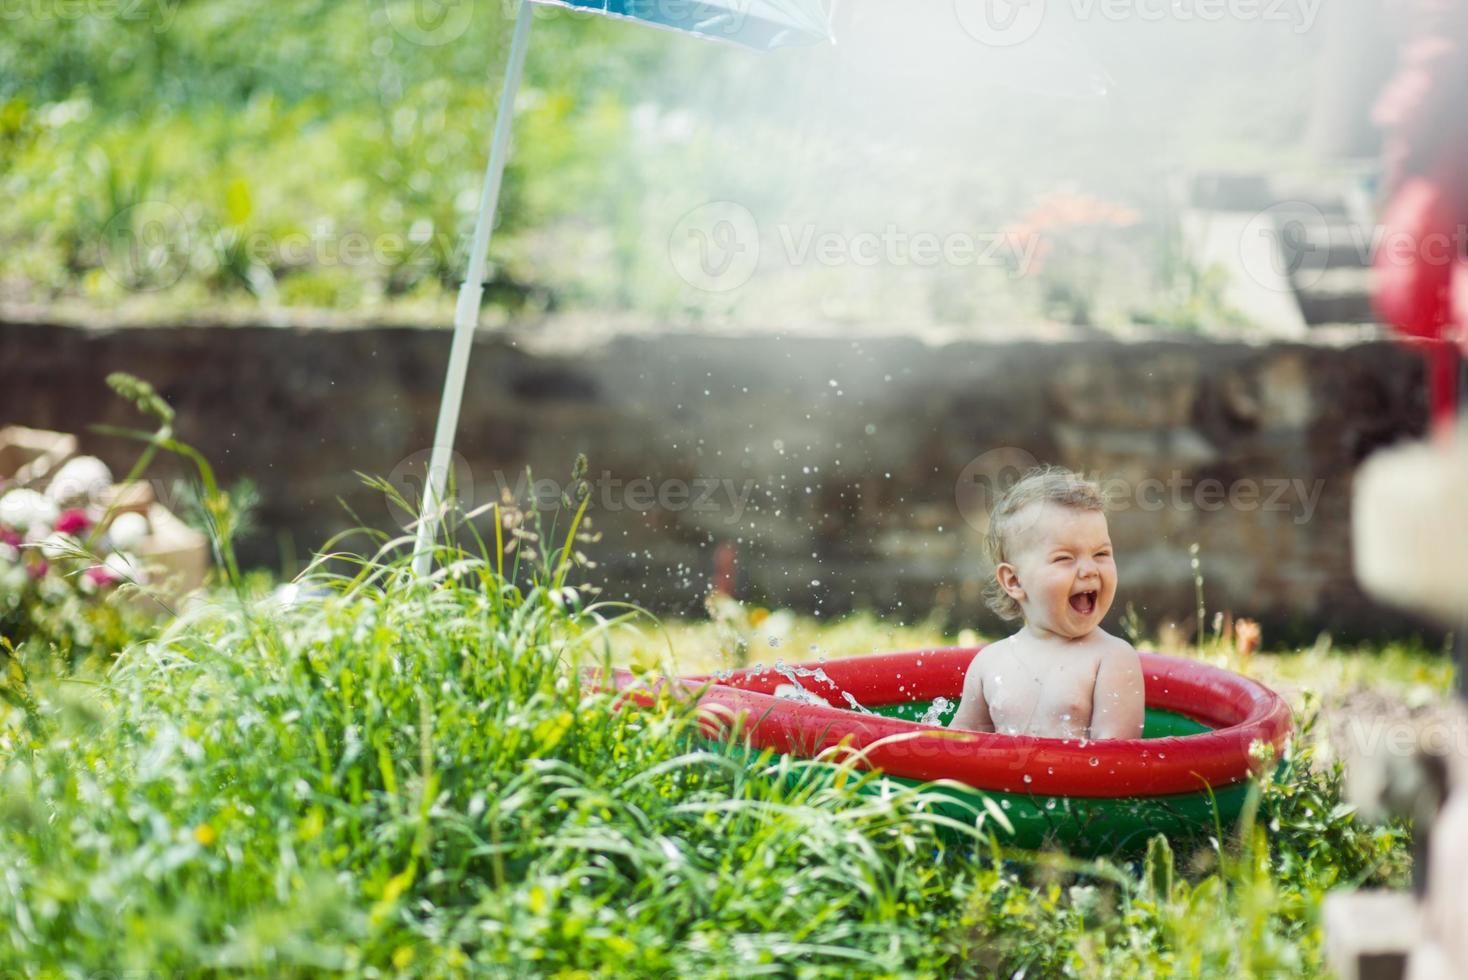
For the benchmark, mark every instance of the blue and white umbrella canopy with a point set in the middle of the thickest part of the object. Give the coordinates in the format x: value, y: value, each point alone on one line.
x: 759, y: 24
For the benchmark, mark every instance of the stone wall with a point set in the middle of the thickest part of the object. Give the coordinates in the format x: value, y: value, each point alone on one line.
x: 846, y: 472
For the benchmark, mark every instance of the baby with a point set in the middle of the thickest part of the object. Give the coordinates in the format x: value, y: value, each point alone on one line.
x: 1061, y: 676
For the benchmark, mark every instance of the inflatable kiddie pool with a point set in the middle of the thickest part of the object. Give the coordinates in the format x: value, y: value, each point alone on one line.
x: 1186, y: 776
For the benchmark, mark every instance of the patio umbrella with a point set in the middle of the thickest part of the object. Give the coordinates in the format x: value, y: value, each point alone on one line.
x: 758, y: 24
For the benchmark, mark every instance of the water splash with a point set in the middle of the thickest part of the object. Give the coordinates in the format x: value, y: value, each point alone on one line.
x: 934, y: 714
x: 794, y: 692
x: 793, y: 671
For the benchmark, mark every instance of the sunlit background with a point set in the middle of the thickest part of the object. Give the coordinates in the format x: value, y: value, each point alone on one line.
x: 1056, y: 154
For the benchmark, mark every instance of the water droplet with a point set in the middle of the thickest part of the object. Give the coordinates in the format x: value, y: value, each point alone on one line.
x: 1029, y: 778
x: 1162, y: 755
x: 1004, y: 803
x: 1095, y: 761
x: 1050, y: 803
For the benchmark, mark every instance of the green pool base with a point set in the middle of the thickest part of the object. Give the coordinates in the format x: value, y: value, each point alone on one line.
x: 1084, y: 826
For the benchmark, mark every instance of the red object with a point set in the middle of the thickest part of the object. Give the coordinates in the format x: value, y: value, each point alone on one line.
x: 1417, y: 257
x: 726, y: 568
x: 1240, y: 710
x: 1420, y: 266
x: 72, y: 521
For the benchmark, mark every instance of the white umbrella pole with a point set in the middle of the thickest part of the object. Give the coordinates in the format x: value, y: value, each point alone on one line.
x: 466, y: 314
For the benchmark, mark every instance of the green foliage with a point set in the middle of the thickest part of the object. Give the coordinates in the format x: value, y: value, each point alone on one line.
x: 402, y: 776
x: 305, y: 153
x: 386, y: 773
x: 1316, y: 841
x: 58, y: 621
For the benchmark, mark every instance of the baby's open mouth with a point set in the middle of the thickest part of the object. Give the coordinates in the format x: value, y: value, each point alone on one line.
x: 1084, y: 602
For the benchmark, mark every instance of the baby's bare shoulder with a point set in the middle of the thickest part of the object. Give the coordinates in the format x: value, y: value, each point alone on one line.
x: 991, y: 652
x: 1111, y: 645
x: 987, y: 656
x: 1117, y: 653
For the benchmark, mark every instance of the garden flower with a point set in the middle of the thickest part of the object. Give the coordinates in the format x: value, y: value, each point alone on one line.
x: 56, y: 545
x: 22, y: 509
x: 13, y: 578
x: 79, y: 481
x: 127, y: 530
x: 99, y: 576
x: 127, y: 566
x: 73, y: 521
x: 1246, y: 636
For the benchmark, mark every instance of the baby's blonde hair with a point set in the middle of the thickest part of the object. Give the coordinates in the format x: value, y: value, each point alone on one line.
x: 1043, y: 484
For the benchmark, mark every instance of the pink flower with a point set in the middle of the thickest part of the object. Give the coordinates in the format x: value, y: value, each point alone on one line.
x: 100, y: 575
x: 10, y: 536
x: 38, y: 568
x: 73, y: 521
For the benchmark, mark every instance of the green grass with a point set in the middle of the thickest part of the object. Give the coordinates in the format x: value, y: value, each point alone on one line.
x: 411, y: 779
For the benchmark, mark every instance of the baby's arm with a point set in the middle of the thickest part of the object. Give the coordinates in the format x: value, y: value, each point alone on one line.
x: 973, y: 710
x: 1118, y: 705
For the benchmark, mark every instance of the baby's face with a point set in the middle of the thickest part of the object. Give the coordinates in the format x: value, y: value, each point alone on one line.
x: 1066, y: 570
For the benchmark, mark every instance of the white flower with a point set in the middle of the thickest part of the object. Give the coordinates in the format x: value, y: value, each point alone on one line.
x: 126, y: 566
x: 56, y: 545
x: 79, y: 480
x: 13, y: 579
x: 25, y: 509
x: 127, y: 530
x: 8, y: 555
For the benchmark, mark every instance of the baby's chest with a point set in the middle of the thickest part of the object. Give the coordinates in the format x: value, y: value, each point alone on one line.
x: 1063, y: 698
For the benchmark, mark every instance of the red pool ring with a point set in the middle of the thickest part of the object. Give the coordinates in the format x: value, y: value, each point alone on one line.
x: 1240, y: 711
